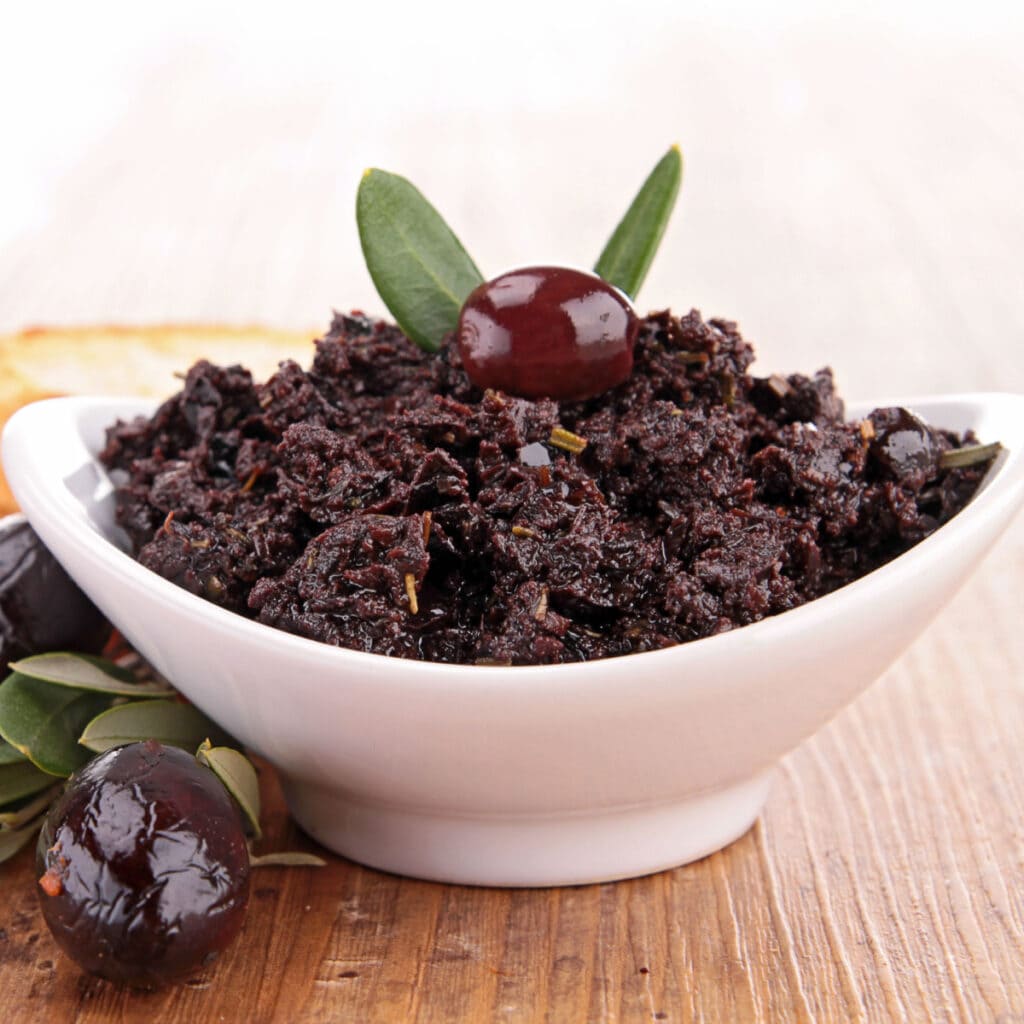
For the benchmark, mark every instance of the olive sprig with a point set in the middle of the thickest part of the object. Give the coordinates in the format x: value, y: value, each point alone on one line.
x: 58, y: 710
x: 424, y: 274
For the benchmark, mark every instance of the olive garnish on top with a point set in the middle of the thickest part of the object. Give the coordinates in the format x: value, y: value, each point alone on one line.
x: 547, y: 332
x: 539, y: 332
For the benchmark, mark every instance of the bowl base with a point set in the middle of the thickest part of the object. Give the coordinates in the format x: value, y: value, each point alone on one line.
x: 565, y: 849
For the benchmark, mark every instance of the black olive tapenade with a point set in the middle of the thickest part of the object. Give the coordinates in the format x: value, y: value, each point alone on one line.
x: 381, y: 502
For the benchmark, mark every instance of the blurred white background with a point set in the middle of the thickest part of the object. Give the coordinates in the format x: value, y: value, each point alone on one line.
x: 852, y: 191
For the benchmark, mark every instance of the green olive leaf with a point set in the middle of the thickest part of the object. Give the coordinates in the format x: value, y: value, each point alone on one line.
x: 9, y: 754
x: 12, y: 841
x: 178, y: 725
x: 44, y: 721
x: 237, y: 773
x: 418, y: 266
x: 88, y: 672
x: 288, y: 859
x: 22, y: 811
x: 21, y: 780
x: 628, y: 254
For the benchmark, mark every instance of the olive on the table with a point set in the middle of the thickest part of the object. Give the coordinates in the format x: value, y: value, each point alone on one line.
x: 41, y: 608
x: 143, y: 864
x: 547, y: 332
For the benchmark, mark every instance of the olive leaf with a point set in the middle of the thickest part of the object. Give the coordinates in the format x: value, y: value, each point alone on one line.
x: 21, y: 780
x: 418, y: 266
x: 44, y: 721
x: 23, y: 811
x: 9, y: 754
x: 11, y: 841
x: 628, y: 253
x: 88, y: 672
x: 287, y: 859
x: 237, y: 773
x: 179, y: 725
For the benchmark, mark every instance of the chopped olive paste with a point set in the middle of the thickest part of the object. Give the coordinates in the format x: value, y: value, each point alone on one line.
x: 381, y: 502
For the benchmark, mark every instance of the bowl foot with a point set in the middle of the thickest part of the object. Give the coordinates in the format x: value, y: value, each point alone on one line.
x: 567, y: 849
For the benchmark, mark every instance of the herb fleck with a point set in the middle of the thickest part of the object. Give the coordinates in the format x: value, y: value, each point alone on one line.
x: 567, y: 441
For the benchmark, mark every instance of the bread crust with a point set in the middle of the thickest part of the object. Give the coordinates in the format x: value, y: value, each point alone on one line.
x: 121, y: 359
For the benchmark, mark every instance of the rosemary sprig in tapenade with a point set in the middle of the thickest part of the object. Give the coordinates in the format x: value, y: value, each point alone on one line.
x: 969, y: 455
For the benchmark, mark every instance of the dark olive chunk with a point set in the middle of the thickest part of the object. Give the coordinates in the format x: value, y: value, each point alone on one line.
x: 144, y: 869
x: 903, y: 448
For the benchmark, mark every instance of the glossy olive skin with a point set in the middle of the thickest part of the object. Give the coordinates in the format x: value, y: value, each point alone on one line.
x: 41, y: 608
x: 144, y: 870
x: 904, y: 448
x: 547, y: 332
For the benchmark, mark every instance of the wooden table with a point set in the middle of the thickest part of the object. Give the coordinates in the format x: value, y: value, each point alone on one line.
x: 853, y: 197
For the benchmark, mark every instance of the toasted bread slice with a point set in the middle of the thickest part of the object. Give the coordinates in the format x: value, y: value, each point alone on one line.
x: 118, y: 360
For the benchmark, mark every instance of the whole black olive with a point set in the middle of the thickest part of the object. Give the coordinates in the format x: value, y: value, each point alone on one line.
x: 41, y: 608
x: 144, y: 866
x: 547, y: 332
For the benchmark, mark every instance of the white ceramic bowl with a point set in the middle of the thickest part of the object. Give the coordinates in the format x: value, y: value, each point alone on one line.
x: 541, y: 775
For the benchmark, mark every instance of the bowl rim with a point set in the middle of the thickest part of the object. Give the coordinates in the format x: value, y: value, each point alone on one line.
x: 47, y: 497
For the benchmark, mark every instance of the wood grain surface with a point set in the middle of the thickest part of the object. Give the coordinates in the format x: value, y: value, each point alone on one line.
x: 853, y: 197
